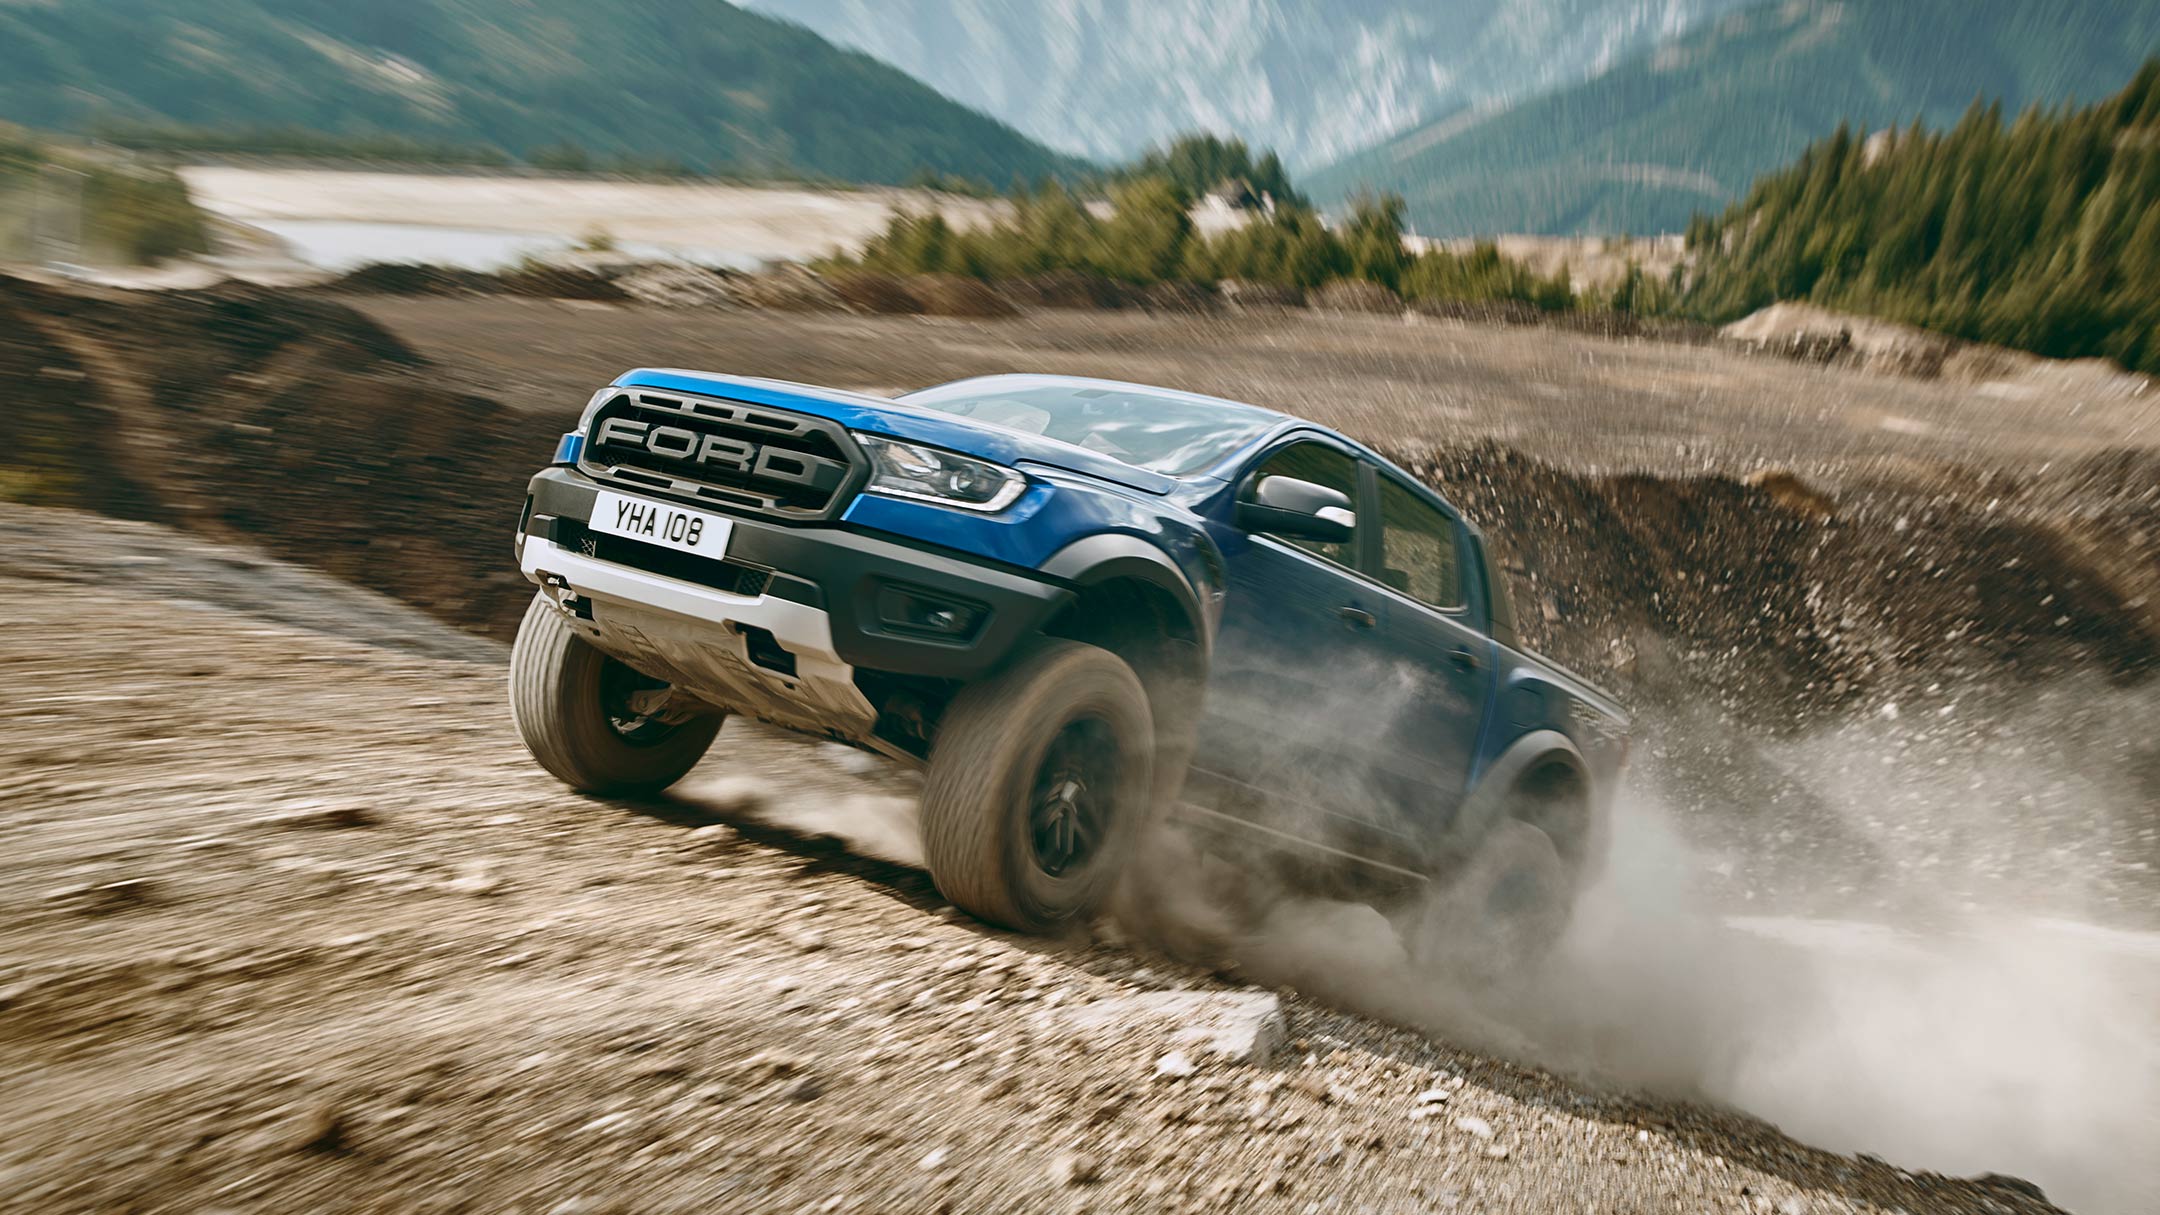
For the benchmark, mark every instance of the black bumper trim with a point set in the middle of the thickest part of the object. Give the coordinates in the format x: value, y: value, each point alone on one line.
x: 840, y: 572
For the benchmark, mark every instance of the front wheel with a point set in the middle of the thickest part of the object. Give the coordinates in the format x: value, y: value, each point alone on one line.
x: 1038, y: 784
x: 582, y: 714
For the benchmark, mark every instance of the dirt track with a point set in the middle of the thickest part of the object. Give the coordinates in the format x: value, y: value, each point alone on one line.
x: 295, y: 925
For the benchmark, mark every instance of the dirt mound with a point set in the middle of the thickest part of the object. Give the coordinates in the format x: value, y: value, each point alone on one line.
x: 1817, y: 335
x: 1810, y: 334
x: 1785, y: 604
x: 289, y: 422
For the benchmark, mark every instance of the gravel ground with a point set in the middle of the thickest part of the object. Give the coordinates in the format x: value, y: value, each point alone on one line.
x: 290, y: 922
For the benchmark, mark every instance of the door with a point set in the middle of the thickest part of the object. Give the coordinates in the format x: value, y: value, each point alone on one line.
x: 1445, y: 664
x: 1288, y: 734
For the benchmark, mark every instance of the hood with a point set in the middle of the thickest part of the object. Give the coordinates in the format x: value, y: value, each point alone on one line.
x: 896, y: 419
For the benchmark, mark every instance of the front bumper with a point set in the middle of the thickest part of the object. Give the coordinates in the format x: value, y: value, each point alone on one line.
x: 812, y: 590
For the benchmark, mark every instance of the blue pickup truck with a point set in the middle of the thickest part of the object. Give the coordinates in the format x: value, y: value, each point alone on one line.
x: 1077, y: 605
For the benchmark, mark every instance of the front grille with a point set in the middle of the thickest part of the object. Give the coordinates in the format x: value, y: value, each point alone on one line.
x: 745, y: 457
x: 722, y: 575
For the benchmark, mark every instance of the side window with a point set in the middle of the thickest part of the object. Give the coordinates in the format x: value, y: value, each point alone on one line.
x: 1418, y: 546
x: 1320, y: 465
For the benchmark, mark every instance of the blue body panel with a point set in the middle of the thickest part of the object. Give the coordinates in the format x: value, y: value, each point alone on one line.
x: 1283, y: 603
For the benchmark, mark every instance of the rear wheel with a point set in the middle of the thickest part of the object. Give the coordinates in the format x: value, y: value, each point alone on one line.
x: 1501, y: 912
x: 590, y: 719
x: 1038, y: 784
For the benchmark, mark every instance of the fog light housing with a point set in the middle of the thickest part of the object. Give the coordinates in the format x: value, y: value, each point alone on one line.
x: 915, y: 612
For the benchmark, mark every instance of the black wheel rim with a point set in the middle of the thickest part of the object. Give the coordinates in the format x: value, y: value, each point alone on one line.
x: 619, y: 685
x: 1073, y: 797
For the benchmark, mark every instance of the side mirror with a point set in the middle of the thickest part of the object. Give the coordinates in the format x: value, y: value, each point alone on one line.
x: 1298, y: 510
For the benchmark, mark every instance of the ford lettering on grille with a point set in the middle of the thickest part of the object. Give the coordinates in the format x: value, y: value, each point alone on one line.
x: 748, y: 456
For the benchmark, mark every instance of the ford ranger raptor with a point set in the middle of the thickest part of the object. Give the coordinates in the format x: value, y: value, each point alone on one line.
x: 1076, y: 605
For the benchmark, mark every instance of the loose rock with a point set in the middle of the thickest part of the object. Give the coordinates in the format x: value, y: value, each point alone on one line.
x: 320, y: 1129
x: 1176, y: 1065
x: 321, y: 816
x: 1236, y: 1026
x: 1075, y: 1168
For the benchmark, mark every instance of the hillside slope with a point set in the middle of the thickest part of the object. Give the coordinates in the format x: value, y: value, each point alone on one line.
x: 1312, y: 79
x: 697, y: 81
x: 2042, y: 234
x: 1687, y: 127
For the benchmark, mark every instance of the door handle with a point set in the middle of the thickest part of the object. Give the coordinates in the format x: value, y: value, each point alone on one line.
x: 1357, y: 617
x: 1462, y: 659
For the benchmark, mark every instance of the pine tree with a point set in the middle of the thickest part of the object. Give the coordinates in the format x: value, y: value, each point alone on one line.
x: 2043, y: 233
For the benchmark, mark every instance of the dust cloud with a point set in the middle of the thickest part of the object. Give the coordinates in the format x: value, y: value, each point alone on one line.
x: 1931, y: 1028
x: 1938, y: 984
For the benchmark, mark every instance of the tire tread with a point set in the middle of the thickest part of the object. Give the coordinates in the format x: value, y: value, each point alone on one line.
x: 554, y: 677
x: 968, y: 791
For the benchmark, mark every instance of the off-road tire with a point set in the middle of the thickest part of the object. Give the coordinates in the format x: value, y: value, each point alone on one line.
x: 979, y: 794
x: 555, y: 698
x: 1498, y: 915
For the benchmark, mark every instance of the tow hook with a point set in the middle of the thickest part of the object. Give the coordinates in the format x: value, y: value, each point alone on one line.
x: 566, y: 597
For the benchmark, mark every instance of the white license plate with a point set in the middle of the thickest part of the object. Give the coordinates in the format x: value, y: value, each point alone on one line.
x: 687, y: 531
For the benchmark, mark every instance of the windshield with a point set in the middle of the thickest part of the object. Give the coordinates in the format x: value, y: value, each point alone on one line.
x: 1160, y: 432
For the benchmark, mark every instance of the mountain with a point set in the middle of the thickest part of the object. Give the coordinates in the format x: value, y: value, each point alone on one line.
x: 1312, y: 79
x: 695, y: 81
x: 1685, y: 127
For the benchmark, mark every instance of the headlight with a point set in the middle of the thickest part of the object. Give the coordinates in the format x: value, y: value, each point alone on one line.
x: 910, y: 470
x: 584, y: 418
